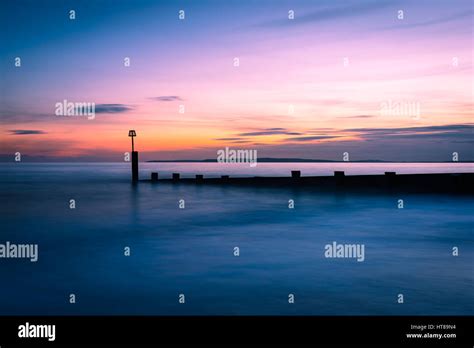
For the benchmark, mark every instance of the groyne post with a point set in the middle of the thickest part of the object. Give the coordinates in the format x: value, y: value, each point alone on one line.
x: 390, y: 178
x: 135, y: 166
x: 132, y: 134
x: 339, y: 175
x: 295, y: 174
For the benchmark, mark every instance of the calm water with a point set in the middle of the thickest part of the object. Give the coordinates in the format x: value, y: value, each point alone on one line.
x: 190, y: 250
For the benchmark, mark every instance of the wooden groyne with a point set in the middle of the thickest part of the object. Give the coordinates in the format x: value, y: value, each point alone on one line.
x: 461, y: 183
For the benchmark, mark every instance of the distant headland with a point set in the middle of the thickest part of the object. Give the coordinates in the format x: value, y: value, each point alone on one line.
x: 302, y: 160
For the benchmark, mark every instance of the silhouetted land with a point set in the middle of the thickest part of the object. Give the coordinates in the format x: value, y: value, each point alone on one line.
x: 301, y: 160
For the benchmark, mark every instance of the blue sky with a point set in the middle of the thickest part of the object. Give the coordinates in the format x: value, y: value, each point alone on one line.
x: 314, y: 87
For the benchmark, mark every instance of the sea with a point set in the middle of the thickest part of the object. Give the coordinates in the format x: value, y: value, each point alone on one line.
x: 107, y: 247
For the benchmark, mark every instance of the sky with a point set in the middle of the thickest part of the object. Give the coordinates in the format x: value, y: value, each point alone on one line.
x: 386, y: 80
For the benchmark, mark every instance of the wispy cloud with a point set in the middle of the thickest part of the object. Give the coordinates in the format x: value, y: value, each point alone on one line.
x: 269, y: 131
x: 311, y: 138
x: 330, y: 13
x: 391, y: 144
x: 452, y: 129
x: 112, y: 108
x: 439, y: 20
x: 447, y: 133
x: 167, y: 98
x: 227, y: 139
x: 358, y: 116
x: 26, y: 132
x: 240, y: 141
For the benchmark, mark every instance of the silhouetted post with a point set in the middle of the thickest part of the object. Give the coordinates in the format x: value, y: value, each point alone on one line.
x: 339, y: 177
x: 199, y: 178
x: 390, y: 178
x: 154, y: 176
x: 132, y: 134
x: 295, y: 174
x: 175, y: 176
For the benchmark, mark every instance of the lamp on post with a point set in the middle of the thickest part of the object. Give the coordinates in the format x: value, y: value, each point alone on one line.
x: 132, y: 134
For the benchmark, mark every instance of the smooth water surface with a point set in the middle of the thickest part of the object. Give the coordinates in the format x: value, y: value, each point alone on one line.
x: 190, y: 251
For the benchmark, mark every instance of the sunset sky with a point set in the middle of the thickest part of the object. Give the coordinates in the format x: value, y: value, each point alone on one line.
x: 311, y: 87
